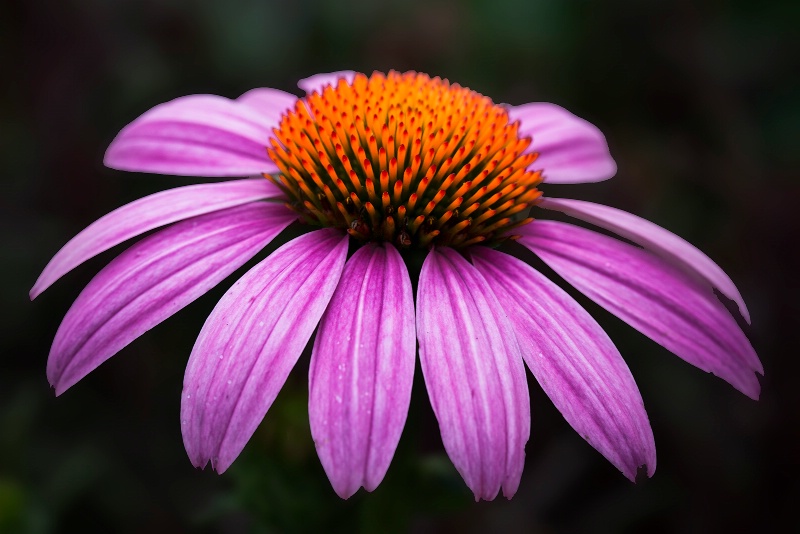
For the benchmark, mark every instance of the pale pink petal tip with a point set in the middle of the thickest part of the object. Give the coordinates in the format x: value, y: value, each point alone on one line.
x: 653, y: 296
x: 154, y: 279
x: 270, y: 103
x: 654, y: 238
x: 474, y: 374
x: 362, y: 369
x: 571, y: 150
x: 318, y: 82
x: 147, y: 214
x: 251, y: 341
x: 197, y: 135
x: 574, y: 361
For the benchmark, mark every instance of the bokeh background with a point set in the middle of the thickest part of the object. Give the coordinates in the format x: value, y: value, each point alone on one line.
x: 701, y: 108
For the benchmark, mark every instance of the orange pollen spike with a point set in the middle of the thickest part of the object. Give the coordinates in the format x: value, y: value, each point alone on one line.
x: 406, y: 159
x: 398, y: 191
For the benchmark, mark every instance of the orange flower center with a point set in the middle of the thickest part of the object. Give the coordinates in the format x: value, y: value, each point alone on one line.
x: 406, y: 159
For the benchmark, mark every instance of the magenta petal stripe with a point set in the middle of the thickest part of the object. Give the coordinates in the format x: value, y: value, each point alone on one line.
x: 653, y: 296
x: 318, y: 82
x: 574, y: 361
x: 362, y: 369
x: 474, y: 374
x: 197, y: 135
x: 571, y: 150
x: 147, y: 214
x: 251, y: 341
x: 154, y: 279
x: 654, y: 238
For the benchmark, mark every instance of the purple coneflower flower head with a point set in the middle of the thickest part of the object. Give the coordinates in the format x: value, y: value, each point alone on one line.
x: 381, y: 169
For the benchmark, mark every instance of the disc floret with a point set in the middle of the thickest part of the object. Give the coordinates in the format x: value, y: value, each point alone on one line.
x: 406, y: 159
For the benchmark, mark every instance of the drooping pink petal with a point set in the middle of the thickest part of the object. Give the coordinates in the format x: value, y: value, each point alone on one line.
x: 318, y: 82
x: 474, y: 374
x: 571, y: 150
x: 653, y: 296
x: 147, y: 214
x: 654, y: 238
x: 271, y: 103
x: 362, y: 368
x: 574, y: 361
x: 197, y: 135
x: 251, y: 341
x: 154, y: 279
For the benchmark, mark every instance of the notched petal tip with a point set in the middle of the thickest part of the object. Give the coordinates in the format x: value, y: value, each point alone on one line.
x: 57, y: 391
x: 752, y: 389
x: 200, y: 463
x: 345, y: 492
x: 214, y: 463
x: 509, y: 490
x: 641, y: 473
x: 219, y: 467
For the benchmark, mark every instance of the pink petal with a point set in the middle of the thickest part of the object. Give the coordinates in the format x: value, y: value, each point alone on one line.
x: 197, y: 135
x: 656, y: 298
x: 654, y: 238
x: 574, y: 361
x: 154, y: 279
x: 571, y: 150
x: 362, y: 368
x: 318, y: 82
x: 146, y: 214
x: 251, y: 341
x: 271, y: 103
x: 474, y: 374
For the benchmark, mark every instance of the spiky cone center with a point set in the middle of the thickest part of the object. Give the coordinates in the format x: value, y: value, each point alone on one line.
x: 406, y: 159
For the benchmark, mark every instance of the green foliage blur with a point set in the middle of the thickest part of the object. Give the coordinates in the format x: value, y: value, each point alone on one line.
x: 700, y: 104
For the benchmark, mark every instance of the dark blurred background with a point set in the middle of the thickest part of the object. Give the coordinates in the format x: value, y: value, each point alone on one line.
x: 701, y: 109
